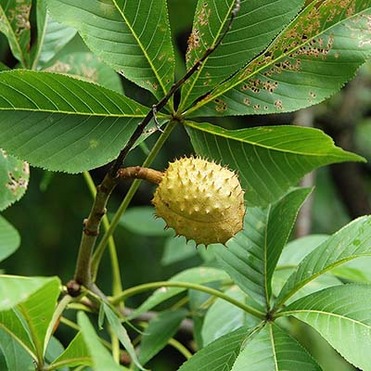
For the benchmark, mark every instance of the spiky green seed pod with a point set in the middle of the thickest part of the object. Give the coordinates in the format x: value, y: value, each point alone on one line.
x: 200, y: 200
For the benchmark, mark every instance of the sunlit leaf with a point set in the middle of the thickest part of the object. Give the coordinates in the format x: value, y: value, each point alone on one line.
x: 132, y: 37
x: 342, y: 316
x: 350, y: 242
x: 269, y: 160
x: 251, y: 256
x: 308, y: 62
x: 14, y: 175
x: 15, y: 289
x: 29, y: 319
x: 256, y: 24
x: 16, y: 26
x: 61, y: 123
x: 9, y: 239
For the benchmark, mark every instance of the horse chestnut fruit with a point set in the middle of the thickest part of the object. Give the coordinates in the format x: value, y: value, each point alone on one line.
x: 200, y: 200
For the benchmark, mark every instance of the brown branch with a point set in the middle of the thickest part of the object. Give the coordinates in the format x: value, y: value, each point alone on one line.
x: 91, y: 230
x: 138, y: 172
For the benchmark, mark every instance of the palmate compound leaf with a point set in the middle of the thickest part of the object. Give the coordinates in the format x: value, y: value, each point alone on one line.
x: 61, y: 123
x: 15, y: 25
x: 350, y: 242
x: 308, y: 62
x: 252, y: 254
x: 269, y: 160
x: 342, y: 316
x: 256, y: 24
x: 133, y: 37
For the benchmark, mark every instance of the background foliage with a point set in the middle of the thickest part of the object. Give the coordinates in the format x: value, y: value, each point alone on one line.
x: 57, y: 131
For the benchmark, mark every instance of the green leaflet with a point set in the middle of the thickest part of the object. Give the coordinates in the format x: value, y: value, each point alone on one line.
x: 62, y: 123
x: 256, y: 24
x: 309, y: 61
x: 132, y: 37
x: 350, y: 242
x: 269, y: 160
x: 342, y: 316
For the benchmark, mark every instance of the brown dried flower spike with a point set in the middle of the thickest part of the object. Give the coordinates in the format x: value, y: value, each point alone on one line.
x: 201, y: 200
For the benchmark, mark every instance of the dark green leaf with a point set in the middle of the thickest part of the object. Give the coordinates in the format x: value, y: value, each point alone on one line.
x: 269, y: 160
x: 101, y: 358
x: 256, y: 24
x: 159, y: 331
x: 14, y: 175
x: 342, y: 316
x: 308, y: 62
x: 61, y: 123
x: 274, y: 349
x: 15, y: 25
x: 251, y: 256
x: 132, y: 37
x: 218, y: 355
x: 9, y: 239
